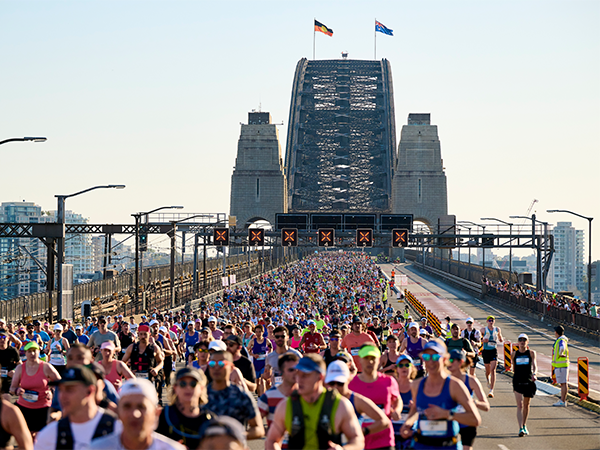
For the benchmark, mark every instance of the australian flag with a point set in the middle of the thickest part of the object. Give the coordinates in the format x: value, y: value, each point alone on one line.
x: 383, y: 29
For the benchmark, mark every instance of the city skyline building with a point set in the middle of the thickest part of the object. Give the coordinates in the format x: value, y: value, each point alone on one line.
x: 567, y: 269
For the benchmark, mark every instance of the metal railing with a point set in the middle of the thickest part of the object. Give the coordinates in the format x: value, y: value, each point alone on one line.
x: 115, y: 294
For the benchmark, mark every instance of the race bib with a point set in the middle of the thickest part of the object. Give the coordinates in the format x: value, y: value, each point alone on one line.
x: 433, y: 427
x: 190, y: 349
x: 417, y: 362
x: 261, y: 356
x: 278, y: 381
x: 522, y: 360
x: 143, y: 375
x: 30, y: 396
x: 354, y: 351
x: 3, y: 373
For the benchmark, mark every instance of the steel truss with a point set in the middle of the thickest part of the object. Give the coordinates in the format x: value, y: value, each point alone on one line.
x: 341, y: 141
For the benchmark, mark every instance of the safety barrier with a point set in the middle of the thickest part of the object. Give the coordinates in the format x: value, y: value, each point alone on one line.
x: 421, y: 309
x: 507, y: 357
x: 583, y: 388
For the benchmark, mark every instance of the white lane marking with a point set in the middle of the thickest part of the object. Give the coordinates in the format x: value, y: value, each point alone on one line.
x: 503, y: 447
x: 498, y: 312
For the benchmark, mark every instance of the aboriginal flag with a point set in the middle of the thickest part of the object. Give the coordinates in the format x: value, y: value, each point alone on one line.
x: 323, y: 29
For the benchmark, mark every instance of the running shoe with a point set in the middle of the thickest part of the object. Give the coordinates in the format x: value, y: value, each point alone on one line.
x: 525, y: 430
x: 521, y: 432
x: 491, y: 394
x: 560, y: 403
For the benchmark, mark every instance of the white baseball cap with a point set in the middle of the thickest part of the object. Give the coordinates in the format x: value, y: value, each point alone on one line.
x: 469, y: 319
x: 523, y: 335
x: 212, y: 319
x: 217, y: 345
x: 337, y: 371
x: 163, y: 329
x: 413, y: 325
x: 135, y: 386
x: 154, y: 322
x: 58, y: 326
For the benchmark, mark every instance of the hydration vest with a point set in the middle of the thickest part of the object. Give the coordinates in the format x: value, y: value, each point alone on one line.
x: 324, y: 425
x: 143, y: 362
x: 64, y: 434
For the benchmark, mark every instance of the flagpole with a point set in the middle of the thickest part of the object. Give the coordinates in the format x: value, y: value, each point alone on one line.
x: 375, y: 40
x: 314, y: 37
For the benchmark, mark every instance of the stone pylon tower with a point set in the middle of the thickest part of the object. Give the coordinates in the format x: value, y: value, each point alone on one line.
x: 419, y: 185
x: 258, y: 186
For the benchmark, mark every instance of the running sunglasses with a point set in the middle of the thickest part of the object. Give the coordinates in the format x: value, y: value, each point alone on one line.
x: 428, y: 357
x: 202, y: 350
x: 403, y: 365
x: 522, y: 339
x: 183, y: 384
x: 221, y: 363
x: 336, y: 383
x: 279, y: 336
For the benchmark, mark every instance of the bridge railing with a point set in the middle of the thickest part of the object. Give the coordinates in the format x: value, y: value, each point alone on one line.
x: 473, y: 273
x: 115, y: 294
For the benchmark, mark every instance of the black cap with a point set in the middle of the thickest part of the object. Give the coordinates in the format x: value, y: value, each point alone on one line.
x: 447, y: 318
x: 234, y: 338
x: 101, y: 318
x: 188, y: 372
x: 560, y: 330
x: 77, y: 374
x: 223, y: 426
x: 97, y: 369
x: 356, y: 319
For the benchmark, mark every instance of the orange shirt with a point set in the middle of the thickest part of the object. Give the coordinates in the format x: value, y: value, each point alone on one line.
x: 352, y: 343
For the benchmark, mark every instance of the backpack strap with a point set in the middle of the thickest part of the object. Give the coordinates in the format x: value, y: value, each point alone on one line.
x: 296, y: 439
x: 106, y: 425
x: 64, y: 435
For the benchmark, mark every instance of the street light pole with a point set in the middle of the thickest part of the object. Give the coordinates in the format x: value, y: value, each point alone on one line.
x: 510, y: 246
x: 589, y: 271
x: 137, y: 217
x: 540, y: 283
x: 24, y: 139
x: 60, y: 218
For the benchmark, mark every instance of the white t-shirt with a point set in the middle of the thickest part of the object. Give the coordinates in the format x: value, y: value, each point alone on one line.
x: 113, y: 442
x: 82, y: 433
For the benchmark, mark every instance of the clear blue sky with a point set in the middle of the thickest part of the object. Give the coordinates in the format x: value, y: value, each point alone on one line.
x: 151, y: 94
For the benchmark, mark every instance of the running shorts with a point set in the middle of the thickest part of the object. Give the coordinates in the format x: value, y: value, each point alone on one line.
x: 526, y: 389
x: 467, y: 435
x: 561, y: 374
x: 489, y: 355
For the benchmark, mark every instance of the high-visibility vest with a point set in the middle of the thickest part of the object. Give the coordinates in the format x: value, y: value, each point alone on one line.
x: 449, y: 331
x: 557, y: 360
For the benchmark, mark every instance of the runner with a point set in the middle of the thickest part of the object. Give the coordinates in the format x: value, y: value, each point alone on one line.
x: 57, y: 350
x: 182, y: 419
x: 312, y: 341
x: 525, y: 370
x: 234, y: 346
x: 137, y: 412
x: 456, y: 342
x: 202, y: 356
x: 31, y: 384
x: 281, y: 347
x: 405, y: 374
x: 146, y: 359
x: 560, y: 362
x: 436, y: 395
x: 413, y: 345
x: 227, y: 399
x: 114, y: 369
x: 101, y: 335
x: 301, y: 414
x: 387, y: 364
x: 337, y: 377
x: 492, y: 336
x: 458, y: 364
x: 259, y: 347
x: 188, y: 341
x: 223, y: 432
x: 355, y: 339
x: 474, y: 337
x: 382, y: 390
x: 83, y: 421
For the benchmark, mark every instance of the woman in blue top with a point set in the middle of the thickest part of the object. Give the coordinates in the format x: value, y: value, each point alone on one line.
x: 458, y: 364
x: 405, y: 374
x: 434, y: 398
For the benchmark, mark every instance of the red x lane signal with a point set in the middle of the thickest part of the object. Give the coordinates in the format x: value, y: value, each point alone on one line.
x: 364, y: 237
x: 399, y: 238
x: 221, y: 236
x: 289, y: 237
x: 256, y: 236
x: 326, y: 237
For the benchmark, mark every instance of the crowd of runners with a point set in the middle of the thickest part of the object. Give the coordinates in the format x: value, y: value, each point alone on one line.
x: 308, y: 356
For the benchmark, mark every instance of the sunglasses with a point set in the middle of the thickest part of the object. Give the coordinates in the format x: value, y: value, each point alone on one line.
x: 220, y: 364
x: 428, y: 357
x: 183, y: 384
x: 336, y: 383
x: 522, y: 339
x: 452, y: 360
x: 3, y: 337
x: 403, y: 365
x: 490, y: 320
x: 202, y: 350
x: 280, y: 336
